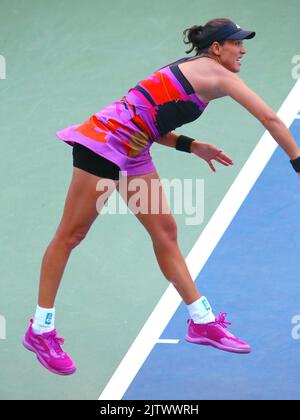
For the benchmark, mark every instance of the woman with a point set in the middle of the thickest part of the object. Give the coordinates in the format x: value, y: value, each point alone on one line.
x: 117, y: 139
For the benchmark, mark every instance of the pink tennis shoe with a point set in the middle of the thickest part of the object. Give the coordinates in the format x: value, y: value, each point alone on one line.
x: 47, y: 348
x: 215, y: 334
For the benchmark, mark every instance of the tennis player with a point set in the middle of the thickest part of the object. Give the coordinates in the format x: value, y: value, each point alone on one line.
x: 117, y: 140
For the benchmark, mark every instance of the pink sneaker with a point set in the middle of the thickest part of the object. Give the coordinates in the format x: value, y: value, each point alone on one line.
x: 48, y: 351
x: 216, y: 334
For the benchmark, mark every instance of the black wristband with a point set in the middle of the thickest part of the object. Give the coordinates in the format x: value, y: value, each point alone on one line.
x: 184, y: 144
x: 296, y: 164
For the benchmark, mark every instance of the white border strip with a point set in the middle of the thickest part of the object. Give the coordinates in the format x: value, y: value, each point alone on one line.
x: 167, y: 341
x: 203, y: 248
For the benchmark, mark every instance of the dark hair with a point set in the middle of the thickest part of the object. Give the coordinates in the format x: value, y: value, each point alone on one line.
x: 196, y: 35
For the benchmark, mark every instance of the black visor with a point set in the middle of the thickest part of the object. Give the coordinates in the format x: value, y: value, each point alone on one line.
x: 229, y: 31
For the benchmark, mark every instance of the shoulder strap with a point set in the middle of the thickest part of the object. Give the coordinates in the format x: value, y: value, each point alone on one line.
x: 181, y: 60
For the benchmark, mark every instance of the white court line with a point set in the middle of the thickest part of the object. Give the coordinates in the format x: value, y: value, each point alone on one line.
x: 167, y: 341
x: 203, y: 248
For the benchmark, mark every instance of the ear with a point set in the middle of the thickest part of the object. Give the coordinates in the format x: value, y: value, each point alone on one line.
x: 216, y: 48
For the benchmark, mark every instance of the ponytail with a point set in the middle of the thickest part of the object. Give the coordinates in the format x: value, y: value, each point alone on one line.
x: 197, y: 34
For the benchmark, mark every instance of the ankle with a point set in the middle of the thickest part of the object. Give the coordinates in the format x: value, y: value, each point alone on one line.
x: 200, y: 311
x: 44, y: 320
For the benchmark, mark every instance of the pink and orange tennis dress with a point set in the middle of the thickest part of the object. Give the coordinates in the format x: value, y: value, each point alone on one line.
x: 124, y: 131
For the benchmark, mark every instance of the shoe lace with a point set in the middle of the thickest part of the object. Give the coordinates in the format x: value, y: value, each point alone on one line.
x: 221, y: 320
x: 56, y: 342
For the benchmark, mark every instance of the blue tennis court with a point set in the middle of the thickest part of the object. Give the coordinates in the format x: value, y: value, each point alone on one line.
x: 253, y: 275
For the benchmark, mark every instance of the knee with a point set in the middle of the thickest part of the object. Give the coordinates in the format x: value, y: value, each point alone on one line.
x: 166, y: 233
x: 71, y: 238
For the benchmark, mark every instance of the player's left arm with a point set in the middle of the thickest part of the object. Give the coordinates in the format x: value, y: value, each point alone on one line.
x: 169, y: 139
x: 237, y: 89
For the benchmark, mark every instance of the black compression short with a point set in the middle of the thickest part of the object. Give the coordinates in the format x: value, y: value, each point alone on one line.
x: 89, y: 161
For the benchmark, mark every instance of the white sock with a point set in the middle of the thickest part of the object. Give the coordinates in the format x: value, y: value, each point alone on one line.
x: 43, y: 321
x: 200, y: 311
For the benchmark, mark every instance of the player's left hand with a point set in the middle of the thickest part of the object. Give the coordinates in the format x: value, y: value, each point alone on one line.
x: 209, y: 152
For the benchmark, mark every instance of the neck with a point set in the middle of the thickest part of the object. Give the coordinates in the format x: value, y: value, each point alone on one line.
x: 207, y: 55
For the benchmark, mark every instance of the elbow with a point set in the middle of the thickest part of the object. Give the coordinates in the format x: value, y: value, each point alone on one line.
x: 270, y: 119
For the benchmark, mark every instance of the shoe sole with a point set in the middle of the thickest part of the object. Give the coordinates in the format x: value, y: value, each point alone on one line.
x: 207, y: 342
x: 44, y: 363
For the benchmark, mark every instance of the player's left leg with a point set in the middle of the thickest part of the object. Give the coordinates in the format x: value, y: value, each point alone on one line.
x: 151, y: 208
x: 156, y: 217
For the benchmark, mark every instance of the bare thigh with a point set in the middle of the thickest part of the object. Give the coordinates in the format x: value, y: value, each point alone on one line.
x: 155, y: 215
x: 84, y: 201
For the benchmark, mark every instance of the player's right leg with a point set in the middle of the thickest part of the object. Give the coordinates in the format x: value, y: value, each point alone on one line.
x: 82, y: 206
x: 79, y: 213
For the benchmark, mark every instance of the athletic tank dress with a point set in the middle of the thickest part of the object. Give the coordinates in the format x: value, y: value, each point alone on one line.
x: 124, y: 131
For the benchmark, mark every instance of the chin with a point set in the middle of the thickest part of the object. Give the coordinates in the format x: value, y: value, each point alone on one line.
x: 233, y: 68
x: 236, y: 69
